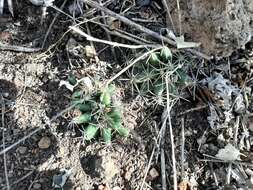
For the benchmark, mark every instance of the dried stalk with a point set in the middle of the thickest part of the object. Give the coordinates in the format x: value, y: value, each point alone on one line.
x: 114, y: 44
x: 173, y: 156
x: 5, y: 47
x: 3, y: 141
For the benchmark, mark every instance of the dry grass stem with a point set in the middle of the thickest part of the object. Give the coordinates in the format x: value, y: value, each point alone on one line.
x: 173, y: 156
x: 114, y: 44
x: 3, y: 141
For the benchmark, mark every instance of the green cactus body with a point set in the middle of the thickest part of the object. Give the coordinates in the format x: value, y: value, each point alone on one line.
x: 90, y: 131
x: 166, y: 54
x: 107, y: 135
x: 105, y: 98
x: 72, y: 79
x: 82, y: 119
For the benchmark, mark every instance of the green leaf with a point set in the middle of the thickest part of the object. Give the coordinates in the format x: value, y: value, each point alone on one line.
x: 107, y: 135
x: 84, y: 118
x: 90, y: 131
x: 166, y: 54
x: 72, y: 79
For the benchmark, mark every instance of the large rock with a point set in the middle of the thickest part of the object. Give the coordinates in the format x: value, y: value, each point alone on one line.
x: 221, y: 26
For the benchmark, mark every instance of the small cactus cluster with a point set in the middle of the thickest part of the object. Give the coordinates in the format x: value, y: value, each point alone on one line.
x: 150, y: 76
x: 99, y: 115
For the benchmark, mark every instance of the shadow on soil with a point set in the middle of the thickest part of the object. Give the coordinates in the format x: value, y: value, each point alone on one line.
x: 24, y: 161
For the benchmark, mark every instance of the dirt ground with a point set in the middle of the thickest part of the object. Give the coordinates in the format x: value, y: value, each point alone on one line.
x: 31, y: 97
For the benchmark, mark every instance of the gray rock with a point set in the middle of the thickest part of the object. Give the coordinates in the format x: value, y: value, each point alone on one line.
x: 22, y: 149
x: 44, y: 143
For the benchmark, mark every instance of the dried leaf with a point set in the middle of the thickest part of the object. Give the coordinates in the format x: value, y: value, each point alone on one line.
x: 60, y: 180
x: 183, y: 185
x: 67, y: 85
x: 229, y: 153
x: 90, y: 51
x: 86, y: 81
x: 181, y: 44
x: 42, y: 2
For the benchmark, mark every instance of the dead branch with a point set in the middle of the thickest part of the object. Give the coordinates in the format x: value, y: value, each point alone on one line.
x: 5, y: 47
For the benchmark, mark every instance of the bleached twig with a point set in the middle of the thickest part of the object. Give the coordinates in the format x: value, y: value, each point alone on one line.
x: 3, y: 140
x: 166, y: 6
x: 143, y: 56
x: 236, y: 127
x: 5, y: 47
x: 182, y: 148
x: 174, y: 168
x: 114, y: 44
x: 179, y: 17
x: 163, y: 163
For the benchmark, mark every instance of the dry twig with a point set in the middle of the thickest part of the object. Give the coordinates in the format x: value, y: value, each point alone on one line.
x: 235, y: 144
x: 22, y: 178
x: 114, y: 44
x: 179, y: 17
x: 174, y: 168
x: 107, y: 32
x: 163, y: 163
x: 6, y: 47
x: 52, y: 23
x: 3, y: 141
x: 182, y: 149
x: 166, y: 6
x: 131, y: 64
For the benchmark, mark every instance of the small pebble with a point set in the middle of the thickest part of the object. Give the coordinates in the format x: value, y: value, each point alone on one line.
x: 251, y: 125
x: 22, y: 149
x: 44, y: 143
x: 127, y: 176
x: 142, y: 3
x: 5, y: 94
x: 116, y: 188
x: 103, y: 187
x: 36, y: 186
x: 153, y: 173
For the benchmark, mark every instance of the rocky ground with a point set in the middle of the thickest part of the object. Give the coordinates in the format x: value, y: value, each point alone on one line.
x: 211, y: 116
